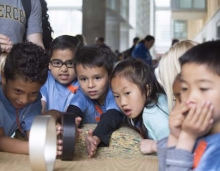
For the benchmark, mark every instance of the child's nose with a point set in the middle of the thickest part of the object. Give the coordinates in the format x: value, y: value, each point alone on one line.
x: 90, y: 83
x: 64, y: 68
x: 24, y: 100
x: 123, y: 101
x: 193, y: 97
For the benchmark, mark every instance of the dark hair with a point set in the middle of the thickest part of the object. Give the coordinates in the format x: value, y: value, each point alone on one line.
x: 174, y: 41
x: 47, y: 29
x: 101, y: 39
x: 28, y: 61
x: 207, y: 53
x: 149, y: 38
x: 64, y: 42
x: 95, y: 55
x: 139, y: 73
x: 81, y: 38
x: 136, y: 39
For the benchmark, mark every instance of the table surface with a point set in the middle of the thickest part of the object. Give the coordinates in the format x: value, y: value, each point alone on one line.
x: 18, y: 162
x: 123, y: 154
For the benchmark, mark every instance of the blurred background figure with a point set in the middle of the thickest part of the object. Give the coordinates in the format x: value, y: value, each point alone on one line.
x: 127, y: 53
x: 99, y: 40
x: 141, y: 50
x: 82, y: 39
x: 174, y: 41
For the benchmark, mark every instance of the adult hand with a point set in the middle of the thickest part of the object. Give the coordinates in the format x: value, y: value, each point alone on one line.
x: 5, y: 43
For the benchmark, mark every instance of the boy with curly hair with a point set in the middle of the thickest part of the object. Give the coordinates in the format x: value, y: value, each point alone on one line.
x: 24, y: 73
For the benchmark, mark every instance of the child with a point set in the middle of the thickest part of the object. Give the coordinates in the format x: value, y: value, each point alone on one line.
x: 142, y: 100
x: 94, y: 100
x: 169, y: 67
x: 200, y: 96
x: 61, y: 84
x: 24, y: 73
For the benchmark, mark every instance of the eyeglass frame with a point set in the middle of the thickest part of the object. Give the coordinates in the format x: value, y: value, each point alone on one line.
x: 62, y: 63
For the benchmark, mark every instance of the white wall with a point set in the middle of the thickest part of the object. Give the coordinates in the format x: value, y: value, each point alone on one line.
x: 209, y: 32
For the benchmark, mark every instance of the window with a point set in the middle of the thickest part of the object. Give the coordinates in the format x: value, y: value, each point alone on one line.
x: 180, y: 29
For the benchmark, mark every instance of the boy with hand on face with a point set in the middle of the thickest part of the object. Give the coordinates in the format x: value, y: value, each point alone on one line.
x: 193, y: 143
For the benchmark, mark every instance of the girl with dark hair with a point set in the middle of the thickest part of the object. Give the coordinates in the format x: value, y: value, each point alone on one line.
x: 142, y: 100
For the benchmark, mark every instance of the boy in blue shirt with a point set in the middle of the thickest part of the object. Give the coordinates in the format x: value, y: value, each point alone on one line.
x: 94, y: 100
x: 61, y: 83
x: 24, y: 73
x: 193, y: 143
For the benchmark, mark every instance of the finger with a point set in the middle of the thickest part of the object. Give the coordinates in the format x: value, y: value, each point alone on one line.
x: 209, y: 116
x: 191, y: 114
x: 90, y: 132
x: 78, y: 120
x: 2, y: 36
x: 203, y: 114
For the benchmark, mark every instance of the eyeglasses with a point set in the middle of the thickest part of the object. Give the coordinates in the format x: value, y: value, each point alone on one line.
x: 58, y: 63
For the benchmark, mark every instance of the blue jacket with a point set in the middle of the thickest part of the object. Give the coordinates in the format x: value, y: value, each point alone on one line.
x: 140, y: 51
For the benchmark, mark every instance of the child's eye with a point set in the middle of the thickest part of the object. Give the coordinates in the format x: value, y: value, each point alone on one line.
x: 184, y: 89
x: 82, y: 79
x: 34, y: 93
x: 17, y: 91
x: 127, y: 93
x: 203, y: 89
x: 116, y: 97
x: 97, y: 78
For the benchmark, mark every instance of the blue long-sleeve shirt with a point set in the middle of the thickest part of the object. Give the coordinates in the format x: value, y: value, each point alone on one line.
x: 140, y: 51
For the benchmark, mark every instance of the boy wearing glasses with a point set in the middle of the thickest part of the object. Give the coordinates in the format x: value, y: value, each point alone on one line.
x: 62, y: 83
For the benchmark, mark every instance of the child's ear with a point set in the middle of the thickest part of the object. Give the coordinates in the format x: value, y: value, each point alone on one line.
x: 3, y: 77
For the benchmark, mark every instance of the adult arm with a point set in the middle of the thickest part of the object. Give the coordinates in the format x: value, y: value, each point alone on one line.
x: 34, y: 30
x: 36, y: 38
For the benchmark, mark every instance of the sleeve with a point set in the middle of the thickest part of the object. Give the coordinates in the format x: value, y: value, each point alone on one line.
x: 156, y: 124
x: 31, y: 112
x: 35, y: 18
x: 80, y: 101
x: 178, y: 159
x: 162, y: 153
x: 109, y: 122
x: 138, y: 52
x: 77, y: 111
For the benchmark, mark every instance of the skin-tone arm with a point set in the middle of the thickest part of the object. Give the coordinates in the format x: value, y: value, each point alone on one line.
x: 5, y: 43
x: 148, y: 146
x: 13, y: 145
x: 43, y: 103
x: 36, y: 38
x: 91, y: 143
x: 198, y: 122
